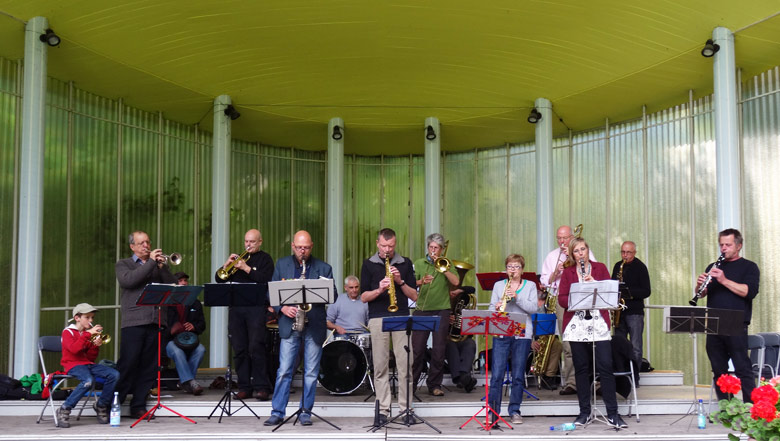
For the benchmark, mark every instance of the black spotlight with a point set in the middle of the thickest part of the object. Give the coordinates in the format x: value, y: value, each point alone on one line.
x: 50, y: 38
x: 430, y: 135
x: 232, y: 112
x: 710, y: 48
x: 534, y: 117
x: 337, y: 133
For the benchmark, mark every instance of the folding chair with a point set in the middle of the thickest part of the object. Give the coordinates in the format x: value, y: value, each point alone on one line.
x: 53, y: 343
x: 771, y: 354
x: 757, y: 348
x: 631, y: 378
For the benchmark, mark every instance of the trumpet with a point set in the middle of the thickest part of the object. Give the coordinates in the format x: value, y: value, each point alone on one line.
x: 706, y: 282
x: 104, y: 338
x: 226, y: 272
x: 173, y: 258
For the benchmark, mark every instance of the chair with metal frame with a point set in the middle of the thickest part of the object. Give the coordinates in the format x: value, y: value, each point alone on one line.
x: 53, y: 343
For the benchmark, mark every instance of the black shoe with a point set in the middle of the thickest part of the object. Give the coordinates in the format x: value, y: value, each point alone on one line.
x: 548, y: 383
x: 305, y: 419
x: 273, y: 421
x: 568, y: 390
x: 470, y: 384
x: 617, y: 422
x: 382, y: 419
x: 408, y: 420
x: 582, y: 419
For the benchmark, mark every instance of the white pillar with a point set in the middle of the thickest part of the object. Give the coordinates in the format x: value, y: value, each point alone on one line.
x: 726, y: 131
x: 28, y: 269
x: 432, y: 178
x: 334, y: 246
x: 545, y: 230
x: 220, y: 225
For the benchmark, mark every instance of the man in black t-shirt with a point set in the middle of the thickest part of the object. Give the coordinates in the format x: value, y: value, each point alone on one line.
x: 734, y: 285
x: 634, y: 290
x: 374, y: 289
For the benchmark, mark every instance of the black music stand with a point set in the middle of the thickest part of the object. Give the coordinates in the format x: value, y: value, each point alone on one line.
x: 694, y: 320
x: 230, y: 294
x: 159, y: 295
x: 594, y: 296
x: 490, y: 323
x: 293, y: 292
x: 408, y: 323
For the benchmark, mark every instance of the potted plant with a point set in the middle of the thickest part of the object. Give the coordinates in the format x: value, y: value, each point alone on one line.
x: 759, y: 420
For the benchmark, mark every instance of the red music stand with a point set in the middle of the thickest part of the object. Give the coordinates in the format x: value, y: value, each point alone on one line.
x: 479, y: 322
x: 159, y: 295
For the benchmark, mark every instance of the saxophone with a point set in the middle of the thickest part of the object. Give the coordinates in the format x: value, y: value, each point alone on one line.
x: 506, y: 296
x: 545, y: 341
x: 300, y: 316
x: 622, y: 303
x: 390, y: 289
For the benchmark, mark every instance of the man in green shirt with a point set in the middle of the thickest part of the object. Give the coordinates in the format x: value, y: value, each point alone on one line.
x: 433, y: 300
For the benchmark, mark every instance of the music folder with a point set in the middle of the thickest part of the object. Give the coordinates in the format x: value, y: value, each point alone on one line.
x: 300, y: 291
x: 601, y: 294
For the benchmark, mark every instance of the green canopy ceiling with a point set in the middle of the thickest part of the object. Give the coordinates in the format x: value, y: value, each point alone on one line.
x: 384, y: 66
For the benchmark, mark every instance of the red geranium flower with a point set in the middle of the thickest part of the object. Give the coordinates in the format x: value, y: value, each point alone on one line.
x: 729, y: 384
x: 763, y: 410
x: 765, y: 393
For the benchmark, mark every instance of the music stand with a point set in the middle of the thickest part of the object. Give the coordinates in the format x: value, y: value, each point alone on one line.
x: 544, y: 325
x: 490, y: 323
x: 594, y: 296
x: 231, y: 294
x: 157, y: 294
x: 694, y: 320
x: 408, y: 323
x: 300, y: 292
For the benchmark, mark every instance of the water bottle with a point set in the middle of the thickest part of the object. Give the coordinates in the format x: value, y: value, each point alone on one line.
x: 115, y: 414
x: 701, y: 415
x: 565, y: 427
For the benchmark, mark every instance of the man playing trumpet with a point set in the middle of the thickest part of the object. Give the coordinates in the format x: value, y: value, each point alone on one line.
x: 246, y: 324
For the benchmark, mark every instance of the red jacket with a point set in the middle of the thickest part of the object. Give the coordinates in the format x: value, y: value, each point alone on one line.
x: 76, y: 348
x: 599, y: 271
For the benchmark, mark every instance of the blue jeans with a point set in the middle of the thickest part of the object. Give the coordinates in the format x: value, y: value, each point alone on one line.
x: 186, y: 365
x: 503, y: 348
x: 86, y: 373
x: 288, y: 352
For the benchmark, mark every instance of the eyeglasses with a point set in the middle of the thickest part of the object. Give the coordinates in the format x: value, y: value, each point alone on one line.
x: 513, y: 267
x: 563, y: 238
x: 307, y: 248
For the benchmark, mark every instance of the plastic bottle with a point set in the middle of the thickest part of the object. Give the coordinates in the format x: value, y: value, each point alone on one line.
x: 115, y: 414
x: 701, y: 415
x: 565, y: 427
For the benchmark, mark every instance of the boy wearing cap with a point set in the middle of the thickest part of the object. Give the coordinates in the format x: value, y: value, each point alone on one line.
x: 79, y: 352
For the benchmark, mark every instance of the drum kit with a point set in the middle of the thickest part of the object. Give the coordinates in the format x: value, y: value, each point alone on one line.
x: 346, y: 363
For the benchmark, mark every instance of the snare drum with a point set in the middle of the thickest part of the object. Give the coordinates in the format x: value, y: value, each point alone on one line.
x: 343, y: 367
x: 363, y: 341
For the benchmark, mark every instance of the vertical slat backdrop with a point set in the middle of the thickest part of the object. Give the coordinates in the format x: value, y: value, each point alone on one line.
x: 111, y: 169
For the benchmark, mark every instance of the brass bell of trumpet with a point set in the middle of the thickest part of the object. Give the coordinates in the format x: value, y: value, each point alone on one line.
x: 105, y: 338
x: 173, y: 258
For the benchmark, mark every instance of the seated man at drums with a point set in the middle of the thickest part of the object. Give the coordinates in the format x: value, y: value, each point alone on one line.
x: 349, y: 315
x: 185, y: 324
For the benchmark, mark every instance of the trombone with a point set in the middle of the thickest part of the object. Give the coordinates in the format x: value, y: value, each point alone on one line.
x: 226, y: 272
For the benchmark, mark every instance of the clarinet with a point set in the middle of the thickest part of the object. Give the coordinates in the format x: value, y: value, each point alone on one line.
x: 706, y: 282
x: 588, y: 316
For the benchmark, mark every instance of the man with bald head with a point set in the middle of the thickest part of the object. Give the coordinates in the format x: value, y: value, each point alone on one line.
x: 246, y: 324
x: 552, y: 268
x: 299, y: 265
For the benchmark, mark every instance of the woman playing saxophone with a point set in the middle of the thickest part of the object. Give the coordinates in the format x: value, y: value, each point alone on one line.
x: 512, y: 295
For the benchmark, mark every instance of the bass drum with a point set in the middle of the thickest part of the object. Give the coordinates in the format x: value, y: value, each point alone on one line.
x: 343, y: 367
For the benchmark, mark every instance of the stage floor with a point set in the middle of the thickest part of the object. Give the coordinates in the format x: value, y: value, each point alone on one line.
x: 659, y: 406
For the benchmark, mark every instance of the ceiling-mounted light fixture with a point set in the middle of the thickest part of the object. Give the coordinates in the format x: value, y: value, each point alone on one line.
x: 430, y: 135
x: 232, y: 112
x: 50, y: 38
x: 534, y: 117
x: 710, y: 49
x: 337, y: 133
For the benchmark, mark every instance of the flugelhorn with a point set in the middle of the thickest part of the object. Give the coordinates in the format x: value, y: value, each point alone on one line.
x: 226, y: 272
x: 104, y: 338
x: 706, y: 282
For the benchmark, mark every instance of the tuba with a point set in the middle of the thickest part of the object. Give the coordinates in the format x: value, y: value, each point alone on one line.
x: 300, y: 316
x: 545, y: 341
x: 463, y: 301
